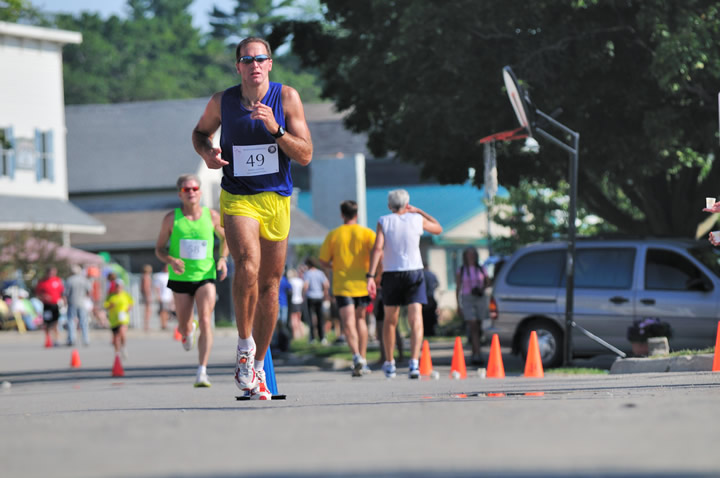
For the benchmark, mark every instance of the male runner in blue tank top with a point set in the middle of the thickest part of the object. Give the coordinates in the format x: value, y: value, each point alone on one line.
x: 263, y: 129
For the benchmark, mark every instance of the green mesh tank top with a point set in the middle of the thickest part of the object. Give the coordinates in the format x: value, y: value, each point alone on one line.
x: 193, y: 242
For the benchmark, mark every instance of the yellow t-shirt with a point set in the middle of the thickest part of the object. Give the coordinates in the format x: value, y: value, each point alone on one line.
x: 118, y: 305
x: 348, y: 248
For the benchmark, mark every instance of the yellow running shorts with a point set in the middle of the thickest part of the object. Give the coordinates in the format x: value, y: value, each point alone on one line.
x: 268, y: 208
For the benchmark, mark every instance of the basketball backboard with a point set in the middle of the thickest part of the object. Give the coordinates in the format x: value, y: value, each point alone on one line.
x: 518, y: 100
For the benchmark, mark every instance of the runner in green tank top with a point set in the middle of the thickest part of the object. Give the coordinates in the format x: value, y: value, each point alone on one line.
x: 186, y: 244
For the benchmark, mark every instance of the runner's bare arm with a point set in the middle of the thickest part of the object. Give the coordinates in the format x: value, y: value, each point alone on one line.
x: 375, y: 256
x: 161, y: 249
x: 296, y: 142
x: 204, y: 131
x: 220, y: 233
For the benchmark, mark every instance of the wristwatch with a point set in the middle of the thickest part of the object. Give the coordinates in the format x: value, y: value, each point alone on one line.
x: 280, y: 132
x: 370, y: 276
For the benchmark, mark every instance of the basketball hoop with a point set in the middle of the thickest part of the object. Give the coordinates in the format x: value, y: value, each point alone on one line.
x: 510, y: 135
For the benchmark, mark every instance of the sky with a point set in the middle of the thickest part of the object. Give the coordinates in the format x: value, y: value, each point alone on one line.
x: 106, y: 8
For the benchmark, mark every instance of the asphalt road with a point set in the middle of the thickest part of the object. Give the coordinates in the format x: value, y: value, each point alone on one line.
x: 58, y: 421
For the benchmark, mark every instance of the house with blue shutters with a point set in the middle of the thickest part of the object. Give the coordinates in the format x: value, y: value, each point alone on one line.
x: 33, y: 168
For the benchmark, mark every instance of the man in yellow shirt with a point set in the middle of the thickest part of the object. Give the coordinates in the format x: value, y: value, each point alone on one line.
x: 347, y: 250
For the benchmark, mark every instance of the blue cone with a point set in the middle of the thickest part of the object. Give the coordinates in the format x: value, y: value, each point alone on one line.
x: 270, y: 382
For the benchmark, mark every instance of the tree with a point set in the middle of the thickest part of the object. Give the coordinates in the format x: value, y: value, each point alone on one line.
x: 14, y: 10
x: 535, y: 213
x: 31, y: 251
x: 154, y: 54
x: 636, y: 78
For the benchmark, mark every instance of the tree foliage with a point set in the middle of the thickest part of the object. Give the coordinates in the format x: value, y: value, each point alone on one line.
x: 32, y: 261
x: 154, y: 54
x: 637, y: 79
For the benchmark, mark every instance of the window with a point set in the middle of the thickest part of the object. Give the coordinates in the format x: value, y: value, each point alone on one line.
x: 668, y: 270
x: 44, y: 166
x: 538, y: 269
x: 604, y: 268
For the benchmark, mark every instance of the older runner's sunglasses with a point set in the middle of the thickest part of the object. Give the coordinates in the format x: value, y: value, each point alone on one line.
x: 193, y: 188
x: 246, y: 60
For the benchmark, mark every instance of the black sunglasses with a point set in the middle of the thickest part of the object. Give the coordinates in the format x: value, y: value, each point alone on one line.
x: 246, y: 60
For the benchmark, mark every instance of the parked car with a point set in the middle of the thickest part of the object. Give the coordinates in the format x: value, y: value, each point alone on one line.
x: 616, y: 281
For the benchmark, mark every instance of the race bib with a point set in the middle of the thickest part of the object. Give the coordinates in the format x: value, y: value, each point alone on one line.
x: 193, y: 249
x: 123, y: 316
x: 255, y: 160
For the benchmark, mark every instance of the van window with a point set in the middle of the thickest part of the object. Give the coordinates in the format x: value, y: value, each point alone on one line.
x: 610, y: 268
x: 668, y: 270
x: 538, y: 269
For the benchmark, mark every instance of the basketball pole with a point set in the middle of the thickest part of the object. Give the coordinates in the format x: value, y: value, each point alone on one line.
x: 572, y: 149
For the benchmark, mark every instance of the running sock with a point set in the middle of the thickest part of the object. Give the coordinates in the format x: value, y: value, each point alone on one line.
x: 259, y: 365
x: 202, y: 369
x: 414, y: 363
x: 246, y: 344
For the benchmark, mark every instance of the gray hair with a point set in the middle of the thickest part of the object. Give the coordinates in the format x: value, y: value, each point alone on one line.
x: 187, y: 177
x: 398, y: 199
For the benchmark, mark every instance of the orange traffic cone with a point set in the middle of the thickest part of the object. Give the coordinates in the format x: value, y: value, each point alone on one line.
x: 117, y: 370
x: 425, y: 360
x: 457, y: 368
x: 495, y: 368
x: 716, y: 359
x: 177, y: 335
x: 48, y: 341
x: 75, y: 359
x: 533, y: 363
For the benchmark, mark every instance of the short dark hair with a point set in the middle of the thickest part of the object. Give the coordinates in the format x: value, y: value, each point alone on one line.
x: 349, y: 209
x: 249, y: 40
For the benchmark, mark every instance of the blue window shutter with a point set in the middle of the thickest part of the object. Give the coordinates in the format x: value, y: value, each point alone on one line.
x: 11, y: 155
x: 50, y: 155
x: 39, y: 170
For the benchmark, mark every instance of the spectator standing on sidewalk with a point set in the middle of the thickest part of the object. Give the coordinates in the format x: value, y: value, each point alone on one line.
x: 296, y: 304
x: 346, y: 250
x: 77, y: 293
x: 164, y: 296
x: 471, y: 282
x: 315, y: 291
x: 398, y: 244
x: 146, y: 294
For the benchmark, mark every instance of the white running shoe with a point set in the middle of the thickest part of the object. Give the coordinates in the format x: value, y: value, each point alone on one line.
x: 366, y: 370
x: 189, y: 340
x: 202, y: 381
x: 389, y: 369
x: 357, y: 366
x: 260, y: 392
x: 246, y: 378
x: 413, y: 371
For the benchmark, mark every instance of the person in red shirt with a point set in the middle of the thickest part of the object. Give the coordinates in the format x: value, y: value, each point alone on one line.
x: 50, y: 291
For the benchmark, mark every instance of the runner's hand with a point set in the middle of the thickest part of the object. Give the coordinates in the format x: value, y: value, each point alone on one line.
x: 265, y: 114
x: 222, y: 268
x: 213, y: 160
x: 178, y: 266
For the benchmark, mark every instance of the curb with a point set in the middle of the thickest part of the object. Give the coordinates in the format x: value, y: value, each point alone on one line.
x: 684, y: 363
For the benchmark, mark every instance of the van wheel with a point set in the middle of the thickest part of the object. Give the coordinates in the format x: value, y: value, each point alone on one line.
x: 550, y: 342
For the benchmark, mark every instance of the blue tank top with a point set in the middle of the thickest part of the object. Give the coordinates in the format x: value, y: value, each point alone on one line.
x: 239, y: 130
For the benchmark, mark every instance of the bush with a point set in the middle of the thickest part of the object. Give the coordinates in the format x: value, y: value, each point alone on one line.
x: 643, y: 329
